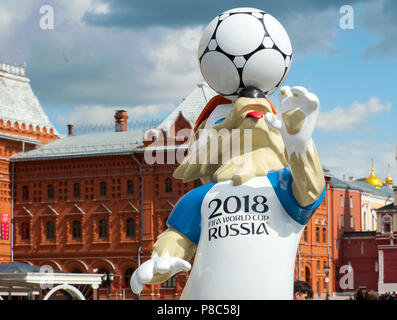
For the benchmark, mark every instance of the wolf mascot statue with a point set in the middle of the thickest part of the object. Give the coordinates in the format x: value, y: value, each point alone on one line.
x: 244, y: 224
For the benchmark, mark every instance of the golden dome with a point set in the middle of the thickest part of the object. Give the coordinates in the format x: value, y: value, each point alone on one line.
x: 374, y: 180
x: 389, y: 179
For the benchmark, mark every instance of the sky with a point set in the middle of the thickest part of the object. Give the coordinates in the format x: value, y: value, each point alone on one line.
x: 141, y: 55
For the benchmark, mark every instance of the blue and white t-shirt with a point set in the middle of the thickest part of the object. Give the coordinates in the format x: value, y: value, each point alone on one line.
x: 247, y: 237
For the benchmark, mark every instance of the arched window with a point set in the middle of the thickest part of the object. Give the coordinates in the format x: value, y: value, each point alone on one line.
x: 130, y: 187
x: 317, y: 234
x: 386, y: 224
x: 130, y: 227
x: 25, y: 193
x: 324, y: 235
x: 318, y: 265
x: 102, y: 188
x: 308, y: 277
x: 170, y: 283
x: 76, y: 230
x: 168, y: 185
x: 127, y: 277
x: 103, y: 229
x: 77, y: 271
x: 305, y: 235
x: 76, y: 190
x: 25, y: 232
x: 50, y: 230
x: 50, y: 191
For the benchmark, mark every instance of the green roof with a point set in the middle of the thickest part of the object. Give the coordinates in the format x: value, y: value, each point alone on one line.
x: 359, y: 234
x: 389, y: 206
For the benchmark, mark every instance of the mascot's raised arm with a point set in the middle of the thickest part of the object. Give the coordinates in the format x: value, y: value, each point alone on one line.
x: 261, y: 174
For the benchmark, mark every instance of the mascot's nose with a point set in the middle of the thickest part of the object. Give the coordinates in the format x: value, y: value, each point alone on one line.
x: 251, y: 92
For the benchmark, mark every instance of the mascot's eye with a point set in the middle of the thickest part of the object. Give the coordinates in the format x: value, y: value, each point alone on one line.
x: 219, y: 121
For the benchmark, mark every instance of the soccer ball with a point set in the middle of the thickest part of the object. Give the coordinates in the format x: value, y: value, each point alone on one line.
x: 244, y: 47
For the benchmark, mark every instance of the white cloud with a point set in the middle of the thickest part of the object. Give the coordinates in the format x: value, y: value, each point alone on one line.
x: 340, y: 119
x: 312, y: 32
x: 99, y: 114
x: 175, y: 64
x: 353, y: 158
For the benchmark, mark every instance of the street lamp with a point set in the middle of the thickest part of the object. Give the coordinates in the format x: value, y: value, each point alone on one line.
x: 326, y: 270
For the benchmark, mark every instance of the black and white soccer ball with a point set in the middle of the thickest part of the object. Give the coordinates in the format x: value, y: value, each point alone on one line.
x: 244, y: 47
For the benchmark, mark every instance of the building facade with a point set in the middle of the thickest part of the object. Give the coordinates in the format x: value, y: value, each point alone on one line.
x: 97, y: 202
x: 23, y: 126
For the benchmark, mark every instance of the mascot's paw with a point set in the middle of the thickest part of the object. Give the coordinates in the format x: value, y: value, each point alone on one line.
x: 299, y: 110
x: 165, y: 264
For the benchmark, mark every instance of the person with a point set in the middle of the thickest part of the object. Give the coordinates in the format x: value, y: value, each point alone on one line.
x: 363, y: 294
x: 302, y: 290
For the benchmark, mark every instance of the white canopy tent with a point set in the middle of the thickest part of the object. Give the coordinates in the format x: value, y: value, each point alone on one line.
x: 19, y: 279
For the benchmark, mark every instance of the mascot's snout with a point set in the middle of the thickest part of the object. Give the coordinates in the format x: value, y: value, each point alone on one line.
x: 253, y: 103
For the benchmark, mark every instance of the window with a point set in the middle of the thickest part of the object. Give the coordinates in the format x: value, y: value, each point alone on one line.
x: 318, y: 265
x: 103, y: 229
x: 197, y: 183
x: 168, y: 185
x: 130, y: 227
x: 102, y: 188
x: 351, y: 222
x: 25, y: 193
x: 362, y: 248
x: 324, y: 235
x: 127, y: 277
x: 76, y: 230
x: 317, y: 234
x: 50, y: 230
x: 170, y: 283
x: 341, y: 201
x: 25, y: 232
x: 305, y: 235
x: 351, y: 202
x: 76, y: 190
x: 50, y: 191
x: 130, y: 187
x: 386, y: 224
x: 342, y: 220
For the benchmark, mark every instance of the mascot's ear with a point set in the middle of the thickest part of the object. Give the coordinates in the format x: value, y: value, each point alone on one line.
x: 210, y: 106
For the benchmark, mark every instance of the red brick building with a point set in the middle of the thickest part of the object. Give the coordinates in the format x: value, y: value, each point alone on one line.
x: 92, y: 202
x: 23, y: 126
x: 314, y: 262
x: 387, y: 247
x: 369, y: 254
